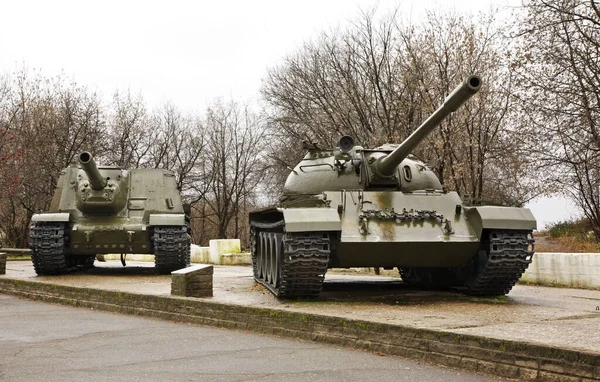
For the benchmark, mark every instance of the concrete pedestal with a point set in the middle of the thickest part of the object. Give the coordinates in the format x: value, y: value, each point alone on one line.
x: 194, y: 281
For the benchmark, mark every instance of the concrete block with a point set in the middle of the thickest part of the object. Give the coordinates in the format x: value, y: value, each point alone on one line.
x: 130, y: 257
x: 222, y: 246
x: 443, y: 359
x: 243, y: 258
x: 2, y: 263
x: 468, y: 364
x: 486, y: 367
x: 199, y: 254
x: 194, y: 270
x: 528, y: 374
x: 553, y: 377
x: 193, y: 281
x: 508, y: 371
x: 200, y: 293
x: 200, y: 278
x: 528, y: 362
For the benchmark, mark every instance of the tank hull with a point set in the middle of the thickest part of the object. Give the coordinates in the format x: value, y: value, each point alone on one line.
x: 390, y: 229
x: 111, y: 210
x: 427, y: 231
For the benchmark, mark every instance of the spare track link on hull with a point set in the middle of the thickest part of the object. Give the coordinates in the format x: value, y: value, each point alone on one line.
x: 171, y: 248
x: 49, y: 246
x: 508, y: 255
x: 289, y: 264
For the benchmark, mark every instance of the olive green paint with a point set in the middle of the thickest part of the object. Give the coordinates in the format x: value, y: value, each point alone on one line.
x: 115, y: 218
x: 333, y: 188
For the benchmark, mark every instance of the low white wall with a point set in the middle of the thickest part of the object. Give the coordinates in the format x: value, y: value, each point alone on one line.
x: 242, y: 258
x: 129, y: 257
x: 576, y: 270
x: 219, y: 247
x: 220, y: 252
x: 200, y: 254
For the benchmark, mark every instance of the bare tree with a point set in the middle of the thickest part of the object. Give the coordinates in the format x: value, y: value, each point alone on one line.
x: 561, y: 96
x: 48, y: 121
x: 234, y: 140
x: 129, y: 137
x: 476, y: 151
x: 179, y: 146
x: 379, y: 79
x: 348, y: 82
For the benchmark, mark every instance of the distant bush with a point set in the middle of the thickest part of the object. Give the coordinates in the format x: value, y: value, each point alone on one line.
x: 569, y: 236
x: 572, y: 228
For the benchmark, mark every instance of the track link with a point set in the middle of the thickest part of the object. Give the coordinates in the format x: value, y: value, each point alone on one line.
x: 289, y: 264
x: 171, y: 248
x: 49, y: 247
x: 305, y: 263
x: 506, y: 255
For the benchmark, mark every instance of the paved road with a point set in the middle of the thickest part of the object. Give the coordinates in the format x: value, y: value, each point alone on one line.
x: 566, y: 318
x: 44, y: 342
x: 561, y: 317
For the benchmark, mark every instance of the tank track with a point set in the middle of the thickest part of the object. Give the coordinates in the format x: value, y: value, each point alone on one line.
x: 253, y: 248
x: 49, y: 247
x: 506, y: 255
x: 300, y: 265
x: 171, y: 248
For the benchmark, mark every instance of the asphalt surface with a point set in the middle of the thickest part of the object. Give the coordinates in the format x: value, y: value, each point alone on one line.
x: 44, y: 342
x: 561, y: 317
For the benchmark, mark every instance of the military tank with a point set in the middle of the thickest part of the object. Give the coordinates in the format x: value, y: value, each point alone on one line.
x: 108, y: 209
x: 356, y: 207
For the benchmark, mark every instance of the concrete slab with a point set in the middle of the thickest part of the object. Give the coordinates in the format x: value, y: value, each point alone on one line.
x: 219, y: 247
x: 565, y: 318
x: 199, y: 254
x: 242, y: 258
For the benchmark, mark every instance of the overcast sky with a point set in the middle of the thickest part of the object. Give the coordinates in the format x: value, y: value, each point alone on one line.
x: 187, y: 52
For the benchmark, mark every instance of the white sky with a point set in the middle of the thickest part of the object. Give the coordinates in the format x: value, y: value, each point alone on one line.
x: 185, y: 52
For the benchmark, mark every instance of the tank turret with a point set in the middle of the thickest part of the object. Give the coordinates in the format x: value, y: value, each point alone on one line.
x: 386, y: 167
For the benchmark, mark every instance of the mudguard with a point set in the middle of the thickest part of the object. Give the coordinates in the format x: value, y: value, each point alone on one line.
x: 51, y: 217
x: 493, y: 217
x: 311, y: 219
x: 167, y: 219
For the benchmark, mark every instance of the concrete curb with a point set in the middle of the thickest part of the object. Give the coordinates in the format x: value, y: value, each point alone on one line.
x: 511, y: 359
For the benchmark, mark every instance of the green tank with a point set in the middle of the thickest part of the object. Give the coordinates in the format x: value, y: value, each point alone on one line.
x: 107, y: 209
x: 356, y: 207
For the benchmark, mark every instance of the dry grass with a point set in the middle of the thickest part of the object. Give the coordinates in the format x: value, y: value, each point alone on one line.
x: 566, y: 244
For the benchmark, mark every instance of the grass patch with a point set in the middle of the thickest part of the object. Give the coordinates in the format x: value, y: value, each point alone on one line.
x: 18, y: 258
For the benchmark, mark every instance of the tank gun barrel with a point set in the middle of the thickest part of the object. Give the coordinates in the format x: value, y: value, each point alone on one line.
x: 387, y: 165
x: 97, y: 181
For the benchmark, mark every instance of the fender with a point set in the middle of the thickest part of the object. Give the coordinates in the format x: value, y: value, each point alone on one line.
x: 51, y: 217
x: 311, y: 219
x: 493, y: 217
x: 167, y: 219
